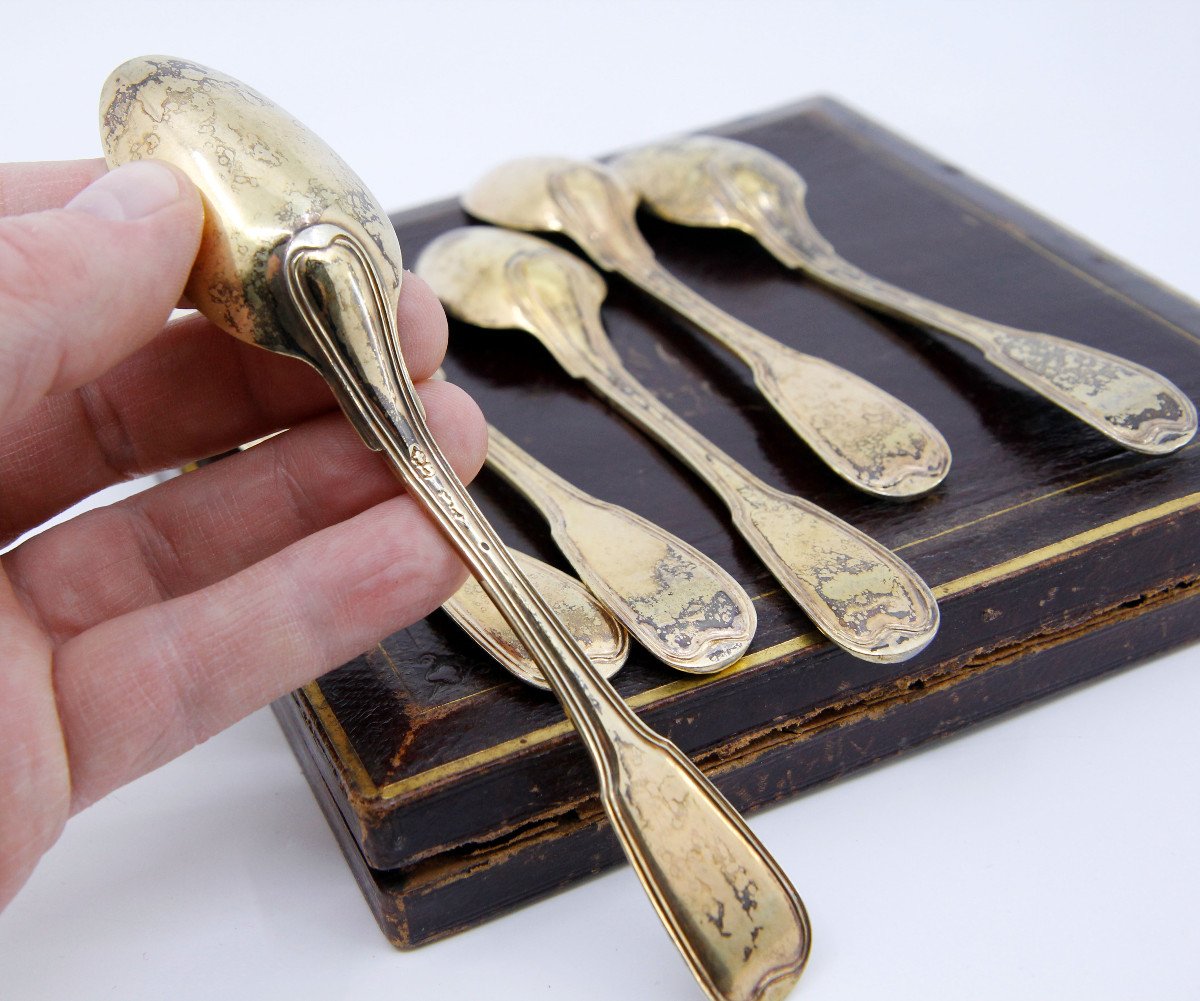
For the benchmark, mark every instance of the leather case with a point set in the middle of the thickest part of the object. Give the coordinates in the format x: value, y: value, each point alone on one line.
x: 457, y: 793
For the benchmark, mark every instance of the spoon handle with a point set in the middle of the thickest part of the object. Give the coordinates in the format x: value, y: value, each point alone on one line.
x: 730, y: 909
x: 1131, y: 404
x: 864, y: 434
x: 856, y: 591
x: 678, y: 603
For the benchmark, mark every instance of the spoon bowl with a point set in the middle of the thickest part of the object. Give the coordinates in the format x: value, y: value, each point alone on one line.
x: 263, y: 177
x: 523, y: 194
x: 691, y: 182
x: 473, y: 269
x: 711, y: 182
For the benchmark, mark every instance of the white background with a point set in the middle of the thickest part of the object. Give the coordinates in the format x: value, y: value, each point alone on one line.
x: 1053, y: 854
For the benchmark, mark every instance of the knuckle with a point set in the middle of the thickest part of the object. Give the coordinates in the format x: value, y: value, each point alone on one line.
x: 103, y: 416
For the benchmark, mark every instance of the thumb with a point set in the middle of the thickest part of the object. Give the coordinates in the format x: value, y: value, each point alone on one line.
x: 84, y: 286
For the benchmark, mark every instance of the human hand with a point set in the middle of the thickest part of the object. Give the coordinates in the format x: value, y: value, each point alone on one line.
x: 136, y: 631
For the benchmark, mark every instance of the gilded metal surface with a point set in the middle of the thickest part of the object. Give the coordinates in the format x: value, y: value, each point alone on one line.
x: 867, y: 436
x: 679, y: 604
x: 857, y: 592
x: 708, y: 181
x: 303, y: 262
x: 593, y: 626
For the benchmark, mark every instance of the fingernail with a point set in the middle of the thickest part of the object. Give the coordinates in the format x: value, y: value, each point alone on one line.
x: 131, y: 191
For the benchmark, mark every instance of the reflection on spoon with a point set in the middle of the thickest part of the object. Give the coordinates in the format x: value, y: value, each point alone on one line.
x: 709, y: 181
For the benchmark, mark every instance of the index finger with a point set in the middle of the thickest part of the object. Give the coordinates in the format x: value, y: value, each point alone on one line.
x: 48, y: 184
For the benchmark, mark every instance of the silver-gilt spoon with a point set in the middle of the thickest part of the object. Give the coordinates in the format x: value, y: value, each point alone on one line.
x: 710, y: 181
x: 297, y: 257
x: 864, y: 434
